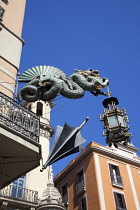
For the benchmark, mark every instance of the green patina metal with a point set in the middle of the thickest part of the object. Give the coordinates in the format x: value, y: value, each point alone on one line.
x: 47, y: 82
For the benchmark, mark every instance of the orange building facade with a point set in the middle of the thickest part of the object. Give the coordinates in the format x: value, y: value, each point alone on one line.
x: 102, y: 178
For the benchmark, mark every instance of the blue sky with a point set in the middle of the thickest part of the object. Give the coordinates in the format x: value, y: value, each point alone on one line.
x: 82, y: 34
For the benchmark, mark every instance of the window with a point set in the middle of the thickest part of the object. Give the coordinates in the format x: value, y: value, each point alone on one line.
x: 82, y: 204
x: 80, y: 181
x: 17, y: 188
x: 39, y: 109
x: 115, y: 175
x: 1, y: 13
x: 80, y: 176
x: 29, y: 107
x: 64, y: 193
x: 119, y: 201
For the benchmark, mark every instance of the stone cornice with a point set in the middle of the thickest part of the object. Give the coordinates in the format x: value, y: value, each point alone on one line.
x: 99, y: 149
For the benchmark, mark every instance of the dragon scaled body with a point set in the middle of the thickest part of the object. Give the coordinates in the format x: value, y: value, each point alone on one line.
x: 47, y: 82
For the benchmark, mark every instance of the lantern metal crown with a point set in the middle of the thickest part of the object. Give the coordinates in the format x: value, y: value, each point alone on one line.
x: 115, y: 123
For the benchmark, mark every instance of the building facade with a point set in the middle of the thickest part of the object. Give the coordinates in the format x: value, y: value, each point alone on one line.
x: 20, y: 150
x: 35, y: 179
x: 25, y: 130
x: 11, y: 22
x: 19, y: 128
x: 27, y: 191
x: 102, y: 178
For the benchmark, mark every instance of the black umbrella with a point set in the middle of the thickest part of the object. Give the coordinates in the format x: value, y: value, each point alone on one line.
x: 68, y: 140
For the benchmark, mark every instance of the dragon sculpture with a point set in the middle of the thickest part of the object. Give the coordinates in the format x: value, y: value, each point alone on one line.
x: 47, y: 82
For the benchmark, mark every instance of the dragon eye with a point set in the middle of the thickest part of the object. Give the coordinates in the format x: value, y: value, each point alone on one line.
x: 89, y: 79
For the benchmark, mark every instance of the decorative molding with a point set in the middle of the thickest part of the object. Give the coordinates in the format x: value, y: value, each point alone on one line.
x: 6, y: 71
x: 45, y: 133
x: 8, y: 61
x: 7, y: 86
x: 113, y: 163
x: 99, y: 182
x: 115, y: 156
x: 18, y: 119
x: 118, y: 191
x: 102, y: 151
x: 23, y: 42
x: 133, y: 187
x: 44, y: 128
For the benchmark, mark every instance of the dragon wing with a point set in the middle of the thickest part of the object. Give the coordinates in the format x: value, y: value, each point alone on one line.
x: 40, y: 72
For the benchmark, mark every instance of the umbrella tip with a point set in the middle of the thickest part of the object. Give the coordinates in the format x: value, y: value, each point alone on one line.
x: 87, y: 118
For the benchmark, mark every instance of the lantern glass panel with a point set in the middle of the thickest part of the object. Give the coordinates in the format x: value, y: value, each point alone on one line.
x: 106, y: 122
x: 121, y: 120
x: 113, y: 121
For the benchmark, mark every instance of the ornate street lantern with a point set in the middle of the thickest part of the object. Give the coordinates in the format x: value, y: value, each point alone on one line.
x: 115, y: 123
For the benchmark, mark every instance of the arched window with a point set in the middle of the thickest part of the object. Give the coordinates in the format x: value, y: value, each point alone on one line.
x: 39, y: 109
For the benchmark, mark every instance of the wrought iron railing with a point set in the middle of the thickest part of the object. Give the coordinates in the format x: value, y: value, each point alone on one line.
x: 18, y: 118
x: 117, y: 180
x: 80, y: 187
x: 18, y: 193
x: 1, y: 13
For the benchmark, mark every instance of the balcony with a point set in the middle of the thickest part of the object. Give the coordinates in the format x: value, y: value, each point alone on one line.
x: 19, y: 194
x: 17, y: 118
x: 80, y: 187
x: 117, y: 181
x: 20, y: 151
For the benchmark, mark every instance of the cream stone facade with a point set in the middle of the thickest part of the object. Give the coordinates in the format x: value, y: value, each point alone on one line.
x: 25, y: 130
x: 11, y: 49
x: 37, y: 180
x: 11, y: 43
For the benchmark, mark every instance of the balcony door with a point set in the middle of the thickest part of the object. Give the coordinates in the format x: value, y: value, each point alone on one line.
x: 18, y: 187
x: 115, y: 175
